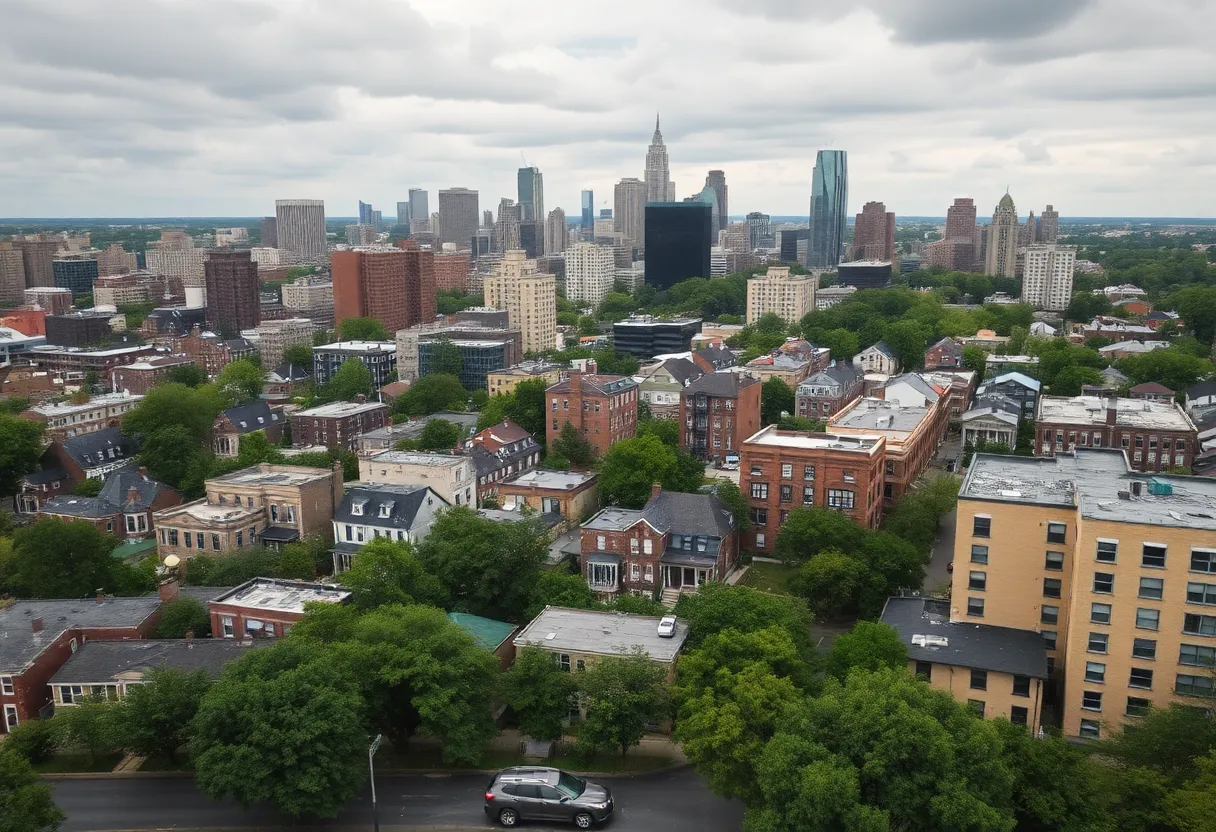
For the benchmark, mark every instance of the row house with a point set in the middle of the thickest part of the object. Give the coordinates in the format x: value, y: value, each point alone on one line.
x: 718, y: 412
x: 958, y: 386
x: 501, y: 452
x: 124, y: 506
x: 913, y: 434
x: 1156, y: 436
x: 210, y: 351
x: 604, y: 409
x: 138, y: 378
x: 823, y: 394
x: 74, y: 363
x: 402, y: 513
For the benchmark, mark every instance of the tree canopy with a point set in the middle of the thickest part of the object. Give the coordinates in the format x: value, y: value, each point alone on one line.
x: 430, y: 394
x: 386, y: 572
x: 54, y: 558
x: 631, y: 466
x: 361, y: 329
x: 240, y: 381
x: 20, y: 450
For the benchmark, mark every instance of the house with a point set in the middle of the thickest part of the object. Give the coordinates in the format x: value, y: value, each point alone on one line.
x: 603, y: 409
x: 945, y: 353
x: 267, y: 607
x: 1156, y: 436
x: 823, y: 394
x: 451, y: 477
x: 496, y: 636
x: 1152, y: 391
x: 1114, y: 329
x: 500, y: 452
x: 818, y: 357
x: 878, y: 358
x: 986, y: 339
x: 1000, y: 672
x: 1127, y: 349
x: 235, y: 422
x: 717, y: 412
x: 138, y: 378
x: 62, y: 420
x: 337, y: 424
x: 1200, y: 396
x: 68, y: 462
x: 1159, y: 320
x: 1043, y: 330
x: 674, y: 544
x: 38, y: 637
x: 994, y: 419
x: 124, y: 506
x: 395, y: 512
x: 284, y: 380
x: 790, y: 368
x: 661, y: 383
x: 1021, y: 388
x: 394, y: 390
x: 385, y: 438
x: 503, y: 382
x: 110, y: 668
x: 1137, y: 307
x: 912, y: 432
x: 713, y: 358
x: 266, y: 503
x: 912, y: 390
x: 569, y: 495
x: 957, y: 385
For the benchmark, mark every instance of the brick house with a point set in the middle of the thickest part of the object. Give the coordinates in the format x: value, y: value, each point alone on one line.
x: 243, y: 419
x: 123, y: 507
x: 604, y: 409
x: 663, y: 382
x: 69, y: 462
x: 338, y: 424
x: 1152, y: 391
x: 570, y: 495
x: 267, y: 607
x: 673, y: 545
x: 823, y: 394
x: 1156, y: 436
x: 138, y: 378
x: 945, y: 354
x: 718, y: 412
x: 500, y: 452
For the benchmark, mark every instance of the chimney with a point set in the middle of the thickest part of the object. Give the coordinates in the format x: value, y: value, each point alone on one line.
x: 167, y: 590
x: 101, y: 596
x: 576, y: 384
x: 132, y: 494
x: 36, y: 625
x: 143, y: 472
x: 655, y: 490
x: 1112, y: 412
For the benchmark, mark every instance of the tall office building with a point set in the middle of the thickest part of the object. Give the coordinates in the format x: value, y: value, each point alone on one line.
x: 1047, y: 276
x: 38, y: 254
x: 458, y: 212
x: 678, y: 238
x: 12, y: 276
x: 1049, y: 225
x: 232, y: 291
x: 529, y: 297
x: 716, y: 179
x: 394, y: 286
x: 629, y: 213
x: 829, y: 209
x: 873, y: 234
x: 270, y: 232
x: 789, y: 296
x: 531, y: 186
x: 557, y: 232
x: 301, y: 226
x: 77, y: 274
x: 532, y: 239
x: 710, y: 197
x: 420, y: 208
x: 1002, y: 255
x: 403, y: 214
x: 590, y: 272
x: 760, y: 227
x: 367, y: 214
x: 587, y: 204
x: 487, y: 218
x: 658, y: 174
x: 506, y: 227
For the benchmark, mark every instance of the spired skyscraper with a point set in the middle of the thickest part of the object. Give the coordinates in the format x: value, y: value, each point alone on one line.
x: 658, y: 174
x: 1002, y: 254
x: 829, y: 209
x: 716, y: 179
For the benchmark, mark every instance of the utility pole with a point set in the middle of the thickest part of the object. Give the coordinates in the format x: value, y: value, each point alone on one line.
x: 371, y: 752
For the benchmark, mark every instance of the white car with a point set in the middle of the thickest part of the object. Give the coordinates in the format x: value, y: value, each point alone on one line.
x: 667, y: 626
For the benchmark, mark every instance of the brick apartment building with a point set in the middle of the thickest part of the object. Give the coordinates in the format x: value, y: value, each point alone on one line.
x: 267, y: 607
x: 338, y: 424
x: 781, y: 470
x: 394, y: 286
x: 78, y: 329
x: 913, y: 434
x: 232, y: 290
x: 718, y: 412
x: 452, y: 270
x: 823, y: 394
x: 138, y: 378
x: 604, y: 409
x: 1156, y: 436
x: 74, y: 362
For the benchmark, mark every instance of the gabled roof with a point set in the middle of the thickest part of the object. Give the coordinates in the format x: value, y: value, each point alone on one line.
x: 1114, y: 375
x: 917, y: 383
x: 841, y: 372
x: 505, y: 432
x: 400, y: 504
x: 19, y: 644
x: 1203, y: 388
x: 682, y: 513
x: 682, y: 370
x: 953, y: 345
x: 254, y: 415
x: 486, y: 463
x: 718, y: 357
x: 1018, y: 378
x: 884, y: 348
x: 118, y: 485
x: 84, y: 508
x: 604, y: 385
x: 720, y: 384
x: 90, y: 450
x: 287, y: 372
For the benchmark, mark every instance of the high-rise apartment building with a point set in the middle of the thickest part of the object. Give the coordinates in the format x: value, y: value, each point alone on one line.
x: 458, y: 210
x: 760, y: 227
x: 873, y: 234
x: 629, y: 213
x: 791, y: 296
x: 1002, y: 255
x: 1047, y: 276
x: 959, y: 248
x: 394, y: 286
x: 557, y: 232
x: 587, y: 205
x: 270, y: 232
x: 403, y: 214
x: 506, y: 227
x: 360, y: 235
x: 658, y: 174
x: 367, y: 214
x: 452, y: 270
x: 420, y: 302
x: 116, y: 260
x: 531, y: 193
x: 1049, y: 225
x: 38, y: 255
x: 678, y: 238
x: 300, y: 224
x: 590, y: 272
x: 829, y: 209
x: 311, y: 297
x: 960, y: 219
x: 1028, y: 233
x: 12, y: 276
x: 420, y: 211
x: 182, y: 266
x: 487, y: 219
x: 737, y: 236
x: 529, y: 297
x: 274, y: 337
x: 232, y: 291
x: 716, y: 179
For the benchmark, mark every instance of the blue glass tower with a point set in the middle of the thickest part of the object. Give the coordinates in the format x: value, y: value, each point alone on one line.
x: 588, y: 213
x: 829, y: 209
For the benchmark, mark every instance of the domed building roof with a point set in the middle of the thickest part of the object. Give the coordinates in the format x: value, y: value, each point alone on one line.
x: 1006, y: 201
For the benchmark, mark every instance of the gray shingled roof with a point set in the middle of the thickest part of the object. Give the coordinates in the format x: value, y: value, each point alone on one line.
x: 254, y: 415
x: 886, y: 349
x: 90, y: 450
x: 405, y: 501
x: 87, y: 508
x: 719, y: 357
x: 721, y: 384
x: 684, y: 513
x: 118, y: 486
x: 681, y: 369
x: 1203, y: 388
x: 19, y: 644
x: 99, y: 662
x: 292, y: 372
x: 978, y: 646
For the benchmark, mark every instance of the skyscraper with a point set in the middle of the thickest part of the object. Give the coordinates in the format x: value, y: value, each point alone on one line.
x: 270, y: 233
x: 506, y: 227
x: 658, y: 175
x: 1002, y: 255
x: 829, y: 209
x: 300, y: 224
x: 629, y: 213
x: 420, y: 211
x: 678, y: 238
x: 457, y: 216
x: 873, y: 233
x: 716, y: 179
x: 557, y: 233
x: 1049, y: 225
x: 960, y: 219
x: 12, y: 276
x: 38, y: 256
x: 529, y: 297
x: 588, y: 213
x: 1047, y: 276
x: 232, y: 291
x: 396, y: 287
x: 761, y: 229
x: 710, y: 197
x: 367, y: 214
x: 403, y: 214
x: 531, y: 195
x: 1028, y: 234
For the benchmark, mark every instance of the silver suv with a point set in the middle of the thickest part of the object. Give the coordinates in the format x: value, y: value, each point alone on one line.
x: 538, y: 793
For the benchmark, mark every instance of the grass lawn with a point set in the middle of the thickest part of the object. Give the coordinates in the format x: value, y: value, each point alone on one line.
x: 67, y: 763
x: 769, y: 577
x: 432, y: 758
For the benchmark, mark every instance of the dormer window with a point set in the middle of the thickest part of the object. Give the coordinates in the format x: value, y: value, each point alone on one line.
x: 386, y: 509
x: 261, y: 421
x: 356, y: 508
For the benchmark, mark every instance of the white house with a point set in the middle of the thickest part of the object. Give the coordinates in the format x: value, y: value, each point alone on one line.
x: 878, y: 358
x: 451, y: 477
x: 395, y: 512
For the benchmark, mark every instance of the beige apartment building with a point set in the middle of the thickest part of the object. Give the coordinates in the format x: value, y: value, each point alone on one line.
x: 1114, y: 569
x: 529, y: 297
x: 272, y: 338
x: 781, y: 293
x: 451, y: 477
x: 503, y: 382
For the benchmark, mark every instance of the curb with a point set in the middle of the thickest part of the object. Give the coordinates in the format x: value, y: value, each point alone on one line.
x: 676, y: 765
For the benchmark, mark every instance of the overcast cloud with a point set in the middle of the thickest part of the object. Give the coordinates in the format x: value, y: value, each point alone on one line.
x: 218, y: 107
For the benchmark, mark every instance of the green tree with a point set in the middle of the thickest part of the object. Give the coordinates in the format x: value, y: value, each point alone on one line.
x: 1167, y: 740
x: 90, y: 725
x: 33, y: 739
x: 437, y: 435
x: 908, y: 338
x: 350, y: 380
x: 184, y: 615
x: 571, y: 446
x: 283, y: 725
x: 843, y: 343
x: 88, y: 488
x: 870, y: 645
x: 431, y: 394
x: 1086, y: 306
x: 58, y: 559
x: 776, y: 398
x: 623, y: 694
x: 170, y: 404
x: 386, y: 572
x: 20, y: 450
x: 154, y: 717
x: 26, y: 804
x: 832, y: 583
x: 526, y: 406
x: 241, y: 381
x: 666, y: 430
x: 190, y: 375
x: 808, y: 531
x: 717, y: 607
x: 559, y: 588
x: 1175, y: 368
x: 975, y: 359
x: 361, y: 329
x: 1197, y: 307
x: 172, y: 454
x: 300, y: 355
x: 539, y: 691
x: 732, y: 497
x: 632, y: 466
x: 445, y: 357
x: 1193, y: 807
x: 1070, y: 380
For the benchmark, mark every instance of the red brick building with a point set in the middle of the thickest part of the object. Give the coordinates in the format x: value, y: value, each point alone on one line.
x: 267, y: 607
x: 782, y: 470
x: 452, y: 270
x: 123, y: 507
x: 138, y: 378
x: 209, y: 351
x: 394, y: 286
x: 946, y: 354
x: 1155, y: 435
x: 337, y: 425
x: 873, y: 233
x: 718, y: 411
x: 604, y: 409
x: 233, y: 299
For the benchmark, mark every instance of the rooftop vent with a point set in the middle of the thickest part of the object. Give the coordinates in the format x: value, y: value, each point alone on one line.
x: 919, y: 640
x: 1137, y: 488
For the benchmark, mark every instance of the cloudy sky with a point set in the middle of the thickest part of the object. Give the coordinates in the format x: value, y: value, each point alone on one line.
x: 217, y: 107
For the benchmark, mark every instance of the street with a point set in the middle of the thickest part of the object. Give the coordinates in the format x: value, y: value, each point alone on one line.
x: 936, y: 576
x: 671, y: 800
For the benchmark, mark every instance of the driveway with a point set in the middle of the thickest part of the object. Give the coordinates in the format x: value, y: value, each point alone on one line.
x: 936, y: 576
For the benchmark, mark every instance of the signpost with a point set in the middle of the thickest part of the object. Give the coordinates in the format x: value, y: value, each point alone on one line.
x: 371, y: 752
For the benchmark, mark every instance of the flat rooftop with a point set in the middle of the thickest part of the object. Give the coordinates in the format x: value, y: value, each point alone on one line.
x: 277, y: 595
x: 359, y: 346
x: 614, y: 519
x: 335, y: 410
x: 555, y: 480
x: 19, y: 644
x: 267, y: 474
x: 1129, y: 413
x: 418, y: 458
x: 604, y: 633
x: 106, y: 400
x: 1099, y: 482
x: 773, y: 437
x: 880, y: 415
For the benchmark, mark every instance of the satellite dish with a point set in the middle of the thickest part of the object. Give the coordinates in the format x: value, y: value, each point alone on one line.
x: 173, y: 561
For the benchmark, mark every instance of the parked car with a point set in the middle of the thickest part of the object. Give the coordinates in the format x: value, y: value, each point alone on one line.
x: 667, y: 626
x: 731, y: 463
x: 540, y: 793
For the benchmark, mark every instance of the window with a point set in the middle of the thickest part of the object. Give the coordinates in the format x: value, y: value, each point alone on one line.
x: 981, y: 526
x: 787, y: 493
x: 1147, y: 619
x: 172, y: 537
x: 1051, y: 587
x: 226, y: 625
x: 1203, y: 560
x: 759, y: 516
x: 649, y: 574
x: 1197, y: 655
x: 1154, y: 556
x: 1099, y: 613
x: 808, y: 495
x: 1104, y: 583
x: 1091, y: 700
x: 1108, y: 550
x: 1049, y: 639
x: 975, y: 607
x: 977, y: 581
x: 601, y: 542
x: 924, y: 670
x: 787, y: 471
x: 10, y: 714
x: 760, y: 539
x: 1054, y: 562
x: 1140, y: 677
x: 1049, y: 614
x: 634, y: 547
x: 1056, y: 532
x: 635, y: 571
x: 1200, y: 593
x: 759, y: 491
x: 1021, y: 686
x: 976, y: 705
x: 840, y: 499
x: 1151, y: 588
x: 601, y: 575
x: 1098, y: 643
x: 979, y: 554
x: 6, y: 685
x: 1144, y: 648
x: 1090, y: 729
x: 1018, y: 715
x: 756, y: 470
x: 808, y: 472
x: 1185, y: 685
x: 1137, y: 706
x: 647, y: 547
x: 563, y: 661
x: 1095, y: 672
x: 979, y: 680
x: 1199, y: 625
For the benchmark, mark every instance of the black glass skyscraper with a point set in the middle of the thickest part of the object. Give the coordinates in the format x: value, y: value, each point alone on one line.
x: 829, y: 209
x: 678, y: 239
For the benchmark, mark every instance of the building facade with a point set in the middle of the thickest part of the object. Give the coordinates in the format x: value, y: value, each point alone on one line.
x: 380, y: 357
x: 1002, y: 252
x: 603, y: 409
x: 718, y: 412
x: 1156, y: 436
x: 679, y: 236
x: 1047, y: 276
x: 873, y: 234
x: 337, y: 425
x: 300, y: 227
x: 590, y: 273
x: 644, y: 337
x: 529, y: 297
x: 913, y: 434
x: 791, y: 297
x: 232, y: 291
x: 825, y: 393
x: 458, y: 216
x: 451, y: 477
x: 829, y: 209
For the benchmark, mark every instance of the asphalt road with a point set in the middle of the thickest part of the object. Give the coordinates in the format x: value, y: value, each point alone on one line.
x: 674, y: 800
x: 936, y: 576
